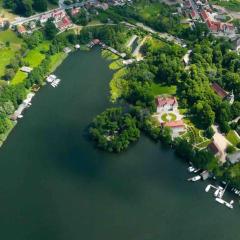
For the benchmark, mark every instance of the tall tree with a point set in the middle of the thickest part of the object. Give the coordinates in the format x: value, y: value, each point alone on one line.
x: 40, y: 5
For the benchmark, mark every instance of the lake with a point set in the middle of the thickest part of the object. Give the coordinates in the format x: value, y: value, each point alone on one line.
x: 55, y: 185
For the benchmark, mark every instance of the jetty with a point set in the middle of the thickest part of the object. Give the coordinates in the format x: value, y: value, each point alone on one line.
x: 104, y: 46
x: 55, y: 83
x: 26, y: 103
x: 218, y: 194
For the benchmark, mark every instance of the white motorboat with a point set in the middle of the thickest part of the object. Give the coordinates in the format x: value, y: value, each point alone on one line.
x: 207, y: 188
x: 20, y: 116
x: 191, y: 169
x: 220, y: 200
x: 196, y: 178
x: 219, y: 192
x: 229, y: 205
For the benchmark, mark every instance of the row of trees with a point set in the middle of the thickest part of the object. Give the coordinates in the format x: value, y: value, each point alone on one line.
x: 27, y: 7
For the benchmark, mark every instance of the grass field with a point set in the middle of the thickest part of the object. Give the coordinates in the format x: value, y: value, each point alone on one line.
x: 19, y: 77
x: 233, y: 138
x: 158, y: 89
x: 233, y: 5
x: 148, y: 11
x: 166, y: 117
x: 36, y: 56
x: 118, y: 84
x: 116, y: 65
x: 155, y: 44
x: 56, y: 60
x: 109, y: 55
x: 7, y: 53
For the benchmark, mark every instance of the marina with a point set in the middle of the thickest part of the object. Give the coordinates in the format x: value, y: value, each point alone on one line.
x: 218, y: 194
x: 53, y: 80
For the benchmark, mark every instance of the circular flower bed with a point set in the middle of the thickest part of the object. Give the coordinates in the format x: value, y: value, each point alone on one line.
x: 167, y: 117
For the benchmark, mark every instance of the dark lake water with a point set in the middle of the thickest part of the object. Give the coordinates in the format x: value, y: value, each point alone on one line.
x: 54, y: 185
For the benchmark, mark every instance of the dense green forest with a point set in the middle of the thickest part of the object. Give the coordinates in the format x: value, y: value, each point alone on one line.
x: 113, y: 130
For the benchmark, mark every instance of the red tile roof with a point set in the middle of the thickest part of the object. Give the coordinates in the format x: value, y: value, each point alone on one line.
x: 214, y: 148
x: 174, y: 124
x: 193, y: 14
x: 161, y: 101
x: 96, y: 41
x: 21, y: 29
x: 64, y: 23
x: 204, y: 15
x: 219, y: 91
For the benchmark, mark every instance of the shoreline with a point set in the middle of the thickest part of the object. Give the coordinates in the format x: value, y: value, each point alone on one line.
x: 52, y: 69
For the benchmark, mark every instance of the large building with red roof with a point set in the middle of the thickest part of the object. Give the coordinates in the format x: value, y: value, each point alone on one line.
x: 166, y: 104
x: 177, y: 127
x: 219, y: 91
x: 216, y: 26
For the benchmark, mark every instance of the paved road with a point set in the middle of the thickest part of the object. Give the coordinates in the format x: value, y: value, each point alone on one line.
x: 62, y: 6
x: 165, y: 36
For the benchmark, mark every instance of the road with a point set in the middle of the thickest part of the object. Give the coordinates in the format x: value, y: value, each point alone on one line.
x: 222, y: 142
x: 62, y: 6
x: 165, y: 36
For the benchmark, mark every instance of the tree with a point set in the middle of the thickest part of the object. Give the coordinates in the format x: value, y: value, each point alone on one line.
x: 224, y: 127
x: 34, y: 39
x: 7, y: 108
x: 9, y: 74
x: 183, y: 149
x: 209, y: 132
x: 205, y: 113
x: 166, y: 135
x: 230, y: 149
x: 235, y: 109
x: 40, y: 5
x: 23, y: 7
x: 50, y: 29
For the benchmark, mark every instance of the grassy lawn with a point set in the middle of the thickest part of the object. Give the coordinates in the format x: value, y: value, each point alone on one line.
x: 193, y: 135
x: 19, y: 77
x: 56, y: 60
x: 118, y: 84
x: 166, y: 117
x: 7, y: 53
x: 148, y: 11
x: 158, y: 89
x: 116, y: 65
x: 35, y: 56
x: 109, y: 55
x: 33, y: 59
x: 233, y: 5
x: 155, y: 44
x: 10, y: 36
x: 233, y: 138
x: 203, y: 144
